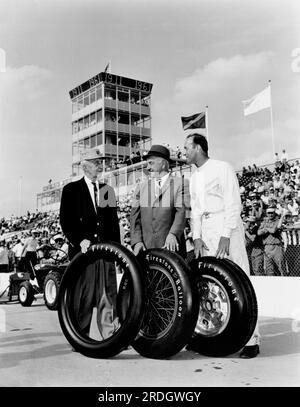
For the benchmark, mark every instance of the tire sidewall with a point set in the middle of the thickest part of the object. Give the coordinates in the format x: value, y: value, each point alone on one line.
x: 110, y: 251
x: 240, y: 325
x: 55, y: 277
x: 185, y: 312
x: 30, y: 294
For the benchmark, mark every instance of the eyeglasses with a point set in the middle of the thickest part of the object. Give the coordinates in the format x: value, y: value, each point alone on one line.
x: 97, y: 163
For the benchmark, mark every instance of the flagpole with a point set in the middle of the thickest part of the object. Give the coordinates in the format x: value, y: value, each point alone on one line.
x: 272, y: 126
x: 206, y: 122
x: 20, y: 196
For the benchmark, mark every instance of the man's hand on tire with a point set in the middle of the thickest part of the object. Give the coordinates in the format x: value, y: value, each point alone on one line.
x: 199, y: 246
x: 85, y: 244
x: 171, y: 243
x: 138, y: 247
x: 223, y: 248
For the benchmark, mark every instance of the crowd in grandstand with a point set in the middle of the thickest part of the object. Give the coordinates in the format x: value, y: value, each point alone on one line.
x: 262, y: 191
x: 272, y: 197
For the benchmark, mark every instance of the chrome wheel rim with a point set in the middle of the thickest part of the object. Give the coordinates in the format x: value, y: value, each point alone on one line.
x: 214, y: 309
x: 50, y: 291
x: 23, y: 294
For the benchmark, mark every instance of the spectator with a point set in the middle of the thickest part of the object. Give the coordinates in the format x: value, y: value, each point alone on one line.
x: 269, y: 230
x: 17, y: 249
x: 256, y: 210
x: 291, y: 240
x: 29, y: 252
x: 254, y: 247
x: 4, y: 258
x: 277, y: 182
x: 61, y: 253
x: 292, y: 205
x: 265, y: 197
x: 295, y: 168
x: 284, y: 156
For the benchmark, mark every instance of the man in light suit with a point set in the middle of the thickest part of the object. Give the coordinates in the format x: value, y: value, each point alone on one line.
x: 88, y: 215
x: 158, y: 209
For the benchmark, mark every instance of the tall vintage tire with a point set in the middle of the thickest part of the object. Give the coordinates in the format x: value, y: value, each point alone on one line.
x: 228, y: 307
x: 129, y: 327
x: 171, y: 308
x: 51, y: 289
x: 26, y: 294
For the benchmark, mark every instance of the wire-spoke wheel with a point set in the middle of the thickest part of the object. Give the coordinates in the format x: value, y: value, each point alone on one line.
x: 171, y: 305
x: 161, y: 303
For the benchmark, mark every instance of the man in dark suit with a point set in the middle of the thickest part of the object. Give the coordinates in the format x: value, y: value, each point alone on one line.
x: 159, y: 204
x: 88, y: 215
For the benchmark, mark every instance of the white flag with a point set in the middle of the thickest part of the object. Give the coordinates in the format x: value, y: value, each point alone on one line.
x: 258, y: 102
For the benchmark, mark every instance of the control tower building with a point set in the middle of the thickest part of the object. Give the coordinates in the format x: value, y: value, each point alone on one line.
x: 112, y: 113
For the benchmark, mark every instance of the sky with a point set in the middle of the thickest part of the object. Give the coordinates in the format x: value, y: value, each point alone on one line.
x: 195, y: 52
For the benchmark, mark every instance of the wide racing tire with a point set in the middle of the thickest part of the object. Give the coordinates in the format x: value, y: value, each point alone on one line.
x: 171, y: 307
x: 129, y: 326
x: 26, y: 294
x: 51, y: 289
x: 228, y: 307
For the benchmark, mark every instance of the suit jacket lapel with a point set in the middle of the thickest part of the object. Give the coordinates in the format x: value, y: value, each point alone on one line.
x: 151, y: 191
x: 87, y: 196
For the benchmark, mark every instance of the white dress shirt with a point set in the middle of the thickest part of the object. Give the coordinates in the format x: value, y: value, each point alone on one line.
x: 158, y: 186
x: 91, y: 189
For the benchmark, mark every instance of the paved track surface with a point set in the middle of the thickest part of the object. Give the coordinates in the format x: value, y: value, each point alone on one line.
x: 34, y: 352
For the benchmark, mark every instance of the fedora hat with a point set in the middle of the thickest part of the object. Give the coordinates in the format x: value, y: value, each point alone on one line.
x: 158, y: 150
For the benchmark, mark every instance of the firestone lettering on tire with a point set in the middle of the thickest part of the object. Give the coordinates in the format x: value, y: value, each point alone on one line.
x: 226, y: 277
x: 174, y: 274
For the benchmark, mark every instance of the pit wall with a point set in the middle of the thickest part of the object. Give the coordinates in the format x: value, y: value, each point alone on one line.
x: 277, y: 296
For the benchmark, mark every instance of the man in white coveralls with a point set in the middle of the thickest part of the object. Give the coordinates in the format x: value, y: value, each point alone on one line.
x: 216, y: 207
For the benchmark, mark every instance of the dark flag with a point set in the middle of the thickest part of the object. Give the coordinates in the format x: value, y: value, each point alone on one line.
x: 196, y: 121
x: 108, y: 68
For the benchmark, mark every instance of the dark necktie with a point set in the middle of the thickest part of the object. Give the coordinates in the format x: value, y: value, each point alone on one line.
x: 158, y: 187
x: 95, y: 194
